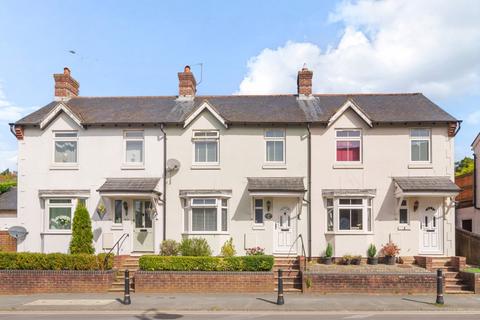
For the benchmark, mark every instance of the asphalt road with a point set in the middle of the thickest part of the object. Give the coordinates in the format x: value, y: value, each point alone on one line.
x: 153, y: 315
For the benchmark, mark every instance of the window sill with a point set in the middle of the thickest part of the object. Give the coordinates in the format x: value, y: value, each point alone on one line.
x: 420, y: 166
x: 348, y: 166
x: 274, y: 166
x: 64, y: 167
x: 205, y: 167
x: 51, y: 233
x: 259, y: 227
x: 116, y: 227
x: 404, y: 228
x: 132, y: 167
x: 206, y: 233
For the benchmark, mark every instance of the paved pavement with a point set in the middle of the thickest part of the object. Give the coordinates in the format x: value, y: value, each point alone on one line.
x: 235, y: 302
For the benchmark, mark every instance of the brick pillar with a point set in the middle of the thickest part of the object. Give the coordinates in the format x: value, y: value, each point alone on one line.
x: 7, y: 243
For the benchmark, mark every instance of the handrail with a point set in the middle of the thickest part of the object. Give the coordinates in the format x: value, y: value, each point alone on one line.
x: 118, y: 245
x: 303, y: 250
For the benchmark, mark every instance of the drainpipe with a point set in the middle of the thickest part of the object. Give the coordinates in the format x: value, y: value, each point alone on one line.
x: 164, y: 181
x: 309, y: 192
x: 475, y: 205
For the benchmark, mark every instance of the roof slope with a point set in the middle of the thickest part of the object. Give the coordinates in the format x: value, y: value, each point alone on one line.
x: 8, y: 200
x: 426, y: 184
x: 402, y: 107
x: 130, y: 185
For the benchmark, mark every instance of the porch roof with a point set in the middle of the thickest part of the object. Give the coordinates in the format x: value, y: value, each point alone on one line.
x: 8, y: 200
x: 424, y: 184
x: 75, y: 193
x: 130, y: 185
x: 205, y: 193
x: 276, y: 184
x: 349, y: 192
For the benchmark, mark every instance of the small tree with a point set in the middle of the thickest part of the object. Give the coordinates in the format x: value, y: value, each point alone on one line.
x: 82, y: 234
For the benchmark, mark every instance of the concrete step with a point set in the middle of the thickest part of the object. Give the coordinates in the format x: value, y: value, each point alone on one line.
x: 291, y: 290
x: 456, y: 287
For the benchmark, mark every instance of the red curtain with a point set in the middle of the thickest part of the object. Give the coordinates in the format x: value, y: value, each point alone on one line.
x: 348, y: 150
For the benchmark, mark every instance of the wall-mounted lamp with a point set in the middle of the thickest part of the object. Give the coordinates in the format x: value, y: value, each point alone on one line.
x: 415, y: 206
x: 125, y: 207
x: 269, y: 205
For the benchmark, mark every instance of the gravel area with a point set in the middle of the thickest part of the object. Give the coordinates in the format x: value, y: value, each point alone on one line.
x: 366, y: 268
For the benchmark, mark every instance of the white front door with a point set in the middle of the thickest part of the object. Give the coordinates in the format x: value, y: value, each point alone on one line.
x: 143, y: 227
x: 431, y: 226
x: 284, y: 231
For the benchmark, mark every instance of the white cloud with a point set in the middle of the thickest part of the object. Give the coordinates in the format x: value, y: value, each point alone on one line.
x: 429, y: 46
x: 474, y: 118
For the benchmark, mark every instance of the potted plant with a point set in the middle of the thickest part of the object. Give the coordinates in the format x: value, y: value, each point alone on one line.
x: 328, y: 254
x: 346, y: 259
x: 390, y: 250
x: 356, y: 260
x: 371, y: 253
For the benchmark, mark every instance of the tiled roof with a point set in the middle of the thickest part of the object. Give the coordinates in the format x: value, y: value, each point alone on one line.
x: 348, y: 192
x: 8, y: 200
x: 142, y: 185
x: 294, y: 184
x: 381, y: 108
x: 426, y: 184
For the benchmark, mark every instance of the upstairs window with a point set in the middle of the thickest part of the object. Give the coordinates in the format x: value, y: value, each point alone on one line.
x: 348, y: 145
x: 66, y: 147
x: 275, y: 146
x: 134, y: 147
x: 205, y: 147
x: 420, y: 145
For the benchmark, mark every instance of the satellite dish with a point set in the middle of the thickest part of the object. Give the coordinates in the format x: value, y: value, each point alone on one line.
x: 17, y: 232
x: 173, y: 165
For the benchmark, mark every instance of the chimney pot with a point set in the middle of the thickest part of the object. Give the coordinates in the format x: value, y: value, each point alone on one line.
x: 186, y: 69
x: 304, y: 82
x: 65, y: 85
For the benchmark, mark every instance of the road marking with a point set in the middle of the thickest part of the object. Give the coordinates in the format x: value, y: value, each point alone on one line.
x: 72, y: 302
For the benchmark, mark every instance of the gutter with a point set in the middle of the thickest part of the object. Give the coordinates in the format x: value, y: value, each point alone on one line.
x: 12, y: 129
x: 309, y: 192
x: 164, y: 181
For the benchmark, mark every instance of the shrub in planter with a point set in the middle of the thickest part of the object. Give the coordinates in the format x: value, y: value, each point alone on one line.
x: 228, y: 249
x: 82, y: 234
x: 356, y: 260
x: 346, y: 259
x: 328, y: 254
x: 390, y: 250
x: 371, y: 253
x: 196, y: 247
x: 169, y: 248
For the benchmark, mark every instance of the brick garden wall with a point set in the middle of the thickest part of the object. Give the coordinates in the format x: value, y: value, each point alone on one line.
x: 7, y: 243
x: 369, y: 283
x: 472, y: 279
x: 204, y: 282
x: 51, y: 281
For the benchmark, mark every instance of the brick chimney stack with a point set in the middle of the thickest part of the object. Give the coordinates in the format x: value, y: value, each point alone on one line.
x: 65, y: 86
x: 304, y: 82
x: 187, y: 86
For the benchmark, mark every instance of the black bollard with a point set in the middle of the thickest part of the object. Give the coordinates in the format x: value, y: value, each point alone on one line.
x: 280, y: 300
x: 126, y: 297
x: 440, y: 286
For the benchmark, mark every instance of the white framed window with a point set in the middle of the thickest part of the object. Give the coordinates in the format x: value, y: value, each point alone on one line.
x: 205, y: 147
x: 65, y: 147
x: 404, y: 217
x: 206, y: 215
x: 59, y: 214
x: 134, y: 147
x: 274, y: 146
x: 349, y: 215
x: 348, y: 145
x: 258, y: 209
x: 420, y: 145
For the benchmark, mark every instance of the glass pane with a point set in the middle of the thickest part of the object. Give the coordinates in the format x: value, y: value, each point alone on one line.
x: 139, y: 212
x: 60, y: 218
x: 344, y: 215
x: 65, y: 151
x: 210, y: 201
x: 134, y: 151
x: 198, y: 217
x: 420, y: 150
x: 197, y: 201
x: 356, y: 218
x: 356, y: 201
x: 403, y: 216
x: 404, y: 203
x: 211, y: 151
x: 278, y: 151
x: 65, y: 134
x: 118, y: 211
x: 147, y: 214
x: 224, y: 219
x: 258, y: 215
x: 82, y: 202
x: 274, y: 133
x: 330, y: 219
x: 210, y: 219
x: 270, y: 150
x: 420, y: 133
x: 224, y: 202
x: 348, y: 150
x: 259, y: 203
x: 60, y: 201
x: 348, y: 133
x: 134, y: 134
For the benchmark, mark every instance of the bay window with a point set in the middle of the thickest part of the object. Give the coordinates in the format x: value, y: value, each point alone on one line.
x: 134, y: 147
x: 205, y: 145
x: 349, y: 214
x: 348, y: 145
x: 65, y: 147
x: 275, y: 146
x: 420, y: 145
x: 59, y: 214
x: 206, y: 215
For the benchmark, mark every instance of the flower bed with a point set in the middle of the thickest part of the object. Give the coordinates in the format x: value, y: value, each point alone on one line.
x: 177, y: 263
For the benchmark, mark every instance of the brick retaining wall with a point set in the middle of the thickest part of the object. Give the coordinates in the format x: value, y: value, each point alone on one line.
x: 370, y: 283
x: 7, y: 243
x: 472, y: 279
x: 53, y: 281
x: 203, y: 282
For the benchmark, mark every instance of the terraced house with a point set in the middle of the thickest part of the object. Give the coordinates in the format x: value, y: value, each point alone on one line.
x: 289, y: 173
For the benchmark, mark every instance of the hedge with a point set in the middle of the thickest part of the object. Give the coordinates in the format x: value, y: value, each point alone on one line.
x: 53, y: 261
x: 174, y: 263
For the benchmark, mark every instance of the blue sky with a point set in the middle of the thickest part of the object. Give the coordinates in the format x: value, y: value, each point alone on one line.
x: 137, y: 47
